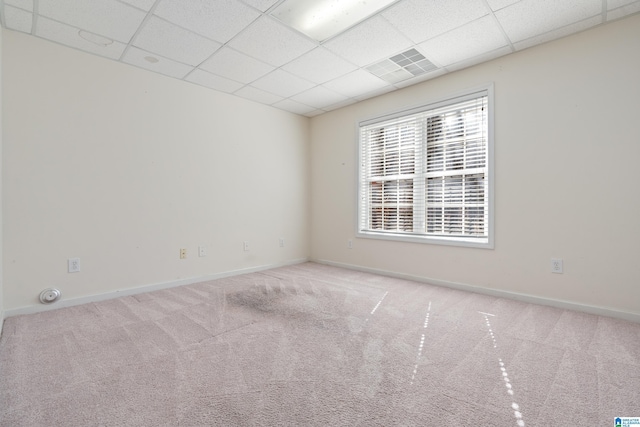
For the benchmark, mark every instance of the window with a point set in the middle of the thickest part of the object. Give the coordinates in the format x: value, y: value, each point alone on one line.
x: 425, y: 174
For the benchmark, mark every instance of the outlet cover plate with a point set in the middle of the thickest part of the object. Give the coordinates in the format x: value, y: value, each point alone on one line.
x: 73, y: 265
x: 556, y: 265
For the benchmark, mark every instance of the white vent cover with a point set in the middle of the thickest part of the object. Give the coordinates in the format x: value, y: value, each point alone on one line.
x: 402, y: 66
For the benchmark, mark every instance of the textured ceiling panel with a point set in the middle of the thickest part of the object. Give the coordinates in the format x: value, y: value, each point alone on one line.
x: 319, y: 66
x: 18, y: 19
x: 422, y: 78
x: 141, y: 4
x: 169, y: 40
x: 319, y: 97
x: 236, y: 46
x: 529, y: 18
x: 293, y: 106
x: 623, y: 11
x: 109, y: 18
x: 500, y: 4
x: 355, y: 83
x: 258, y: 95
x: 560, y: 32
x: 375, y: 92
x: 282, y: 83
x: 212, y: 81
x: 151, y: 62
x: 70, y: 36
x: 356, y: 44
x: 611, y: 4
x: 271, y: 42
x: 468, y: 41
x: 421, y: 20
x: 22, y: 4
x: 219, y: 20
x: 236, y: 66
x: 488, y: 56
x: 261, y: 5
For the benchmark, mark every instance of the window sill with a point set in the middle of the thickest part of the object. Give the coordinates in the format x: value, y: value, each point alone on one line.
x: 482, y: 243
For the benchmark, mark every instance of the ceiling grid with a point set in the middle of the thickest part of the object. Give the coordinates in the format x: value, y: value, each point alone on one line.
x: 240, y: 47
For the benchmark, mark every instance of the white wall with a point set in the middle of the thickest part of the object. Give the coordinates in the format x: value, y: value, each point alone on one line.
x: 121, y: 168
x: 1, y: 174
x: 567, y: 147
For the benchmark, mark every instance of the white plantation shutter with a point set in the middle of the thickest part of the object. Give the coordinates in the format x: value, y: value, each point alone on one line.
x: 425, y: 172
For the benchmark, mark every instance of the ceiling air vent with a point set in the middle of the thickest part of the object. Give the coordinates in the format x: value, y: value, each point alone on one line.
x: 402, y: 66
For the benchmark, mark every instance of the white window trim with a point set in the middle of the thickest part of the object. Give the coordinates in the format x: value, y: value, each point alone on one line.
x: 427, y: 239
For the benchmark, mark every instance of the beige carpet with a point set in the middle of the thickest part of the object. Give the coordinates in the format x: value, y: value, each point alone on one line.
x: 312, y: 345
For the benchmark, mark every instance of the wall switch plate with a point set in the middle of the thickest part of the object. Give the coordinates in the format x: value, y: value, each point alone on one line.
x: 281, y: 242
x: 183, y: 253
x: 245, y: 246
x: 202, y: 250
x: 556, y: 265
x: 350, y: 244
x: 73, y: 265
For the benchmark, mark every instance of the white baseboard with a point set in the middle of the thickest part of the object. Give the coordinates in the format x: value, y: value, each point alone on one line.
x: 140, y: 290
x: 568, y: 305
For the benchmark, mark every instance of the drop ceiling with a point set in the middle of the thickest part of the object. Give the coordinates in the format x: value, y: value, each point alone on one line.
x: 238, y: 47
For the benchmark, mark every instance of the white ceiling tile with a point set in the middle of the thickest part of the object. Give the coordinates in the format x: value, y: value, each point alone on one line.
x: 611, y: 4
x: 374, y: 93
x: 353, y: 84
x: 219, y: 20
x: 319, y: 66
x: 319, y: 97
x: 421, y: 20
x: 281, y: 83
x: 293, y: 107
x: 271, y: 42
x: 529, y: 18
x: 138, y: 57
x: 371, y: 41
x: 173, y: 42
x: 622, y: 11
x: 212, y: 81
x: 500, y: 4
x: 468, y: 41
x: 109, y: 18
x: 234, y: 65
x: 70, y: 36
x: 341, y: 104
x: 261, y: 5
x: 421, y: 78
x: 18, y: 19
x: 258, y: 95
x: 556, y: 34
x: 315, y: 113
x: 488, y: 56
x: 22, y: 4
x: 141, y: 4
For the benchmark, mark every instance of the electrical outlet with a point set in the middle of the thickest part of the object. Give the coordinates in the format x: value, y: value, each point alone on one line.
x: 245, y: 246
x: 350, y: 244
x: 73, y: 265
x: 281, y: 242
x: 556, y: 265
x: 202, y: 251
x: 183, y: 253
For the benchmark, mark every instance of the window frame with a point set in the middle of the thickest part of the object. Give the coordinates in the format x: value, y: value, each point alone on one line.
x: 463, y: 241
